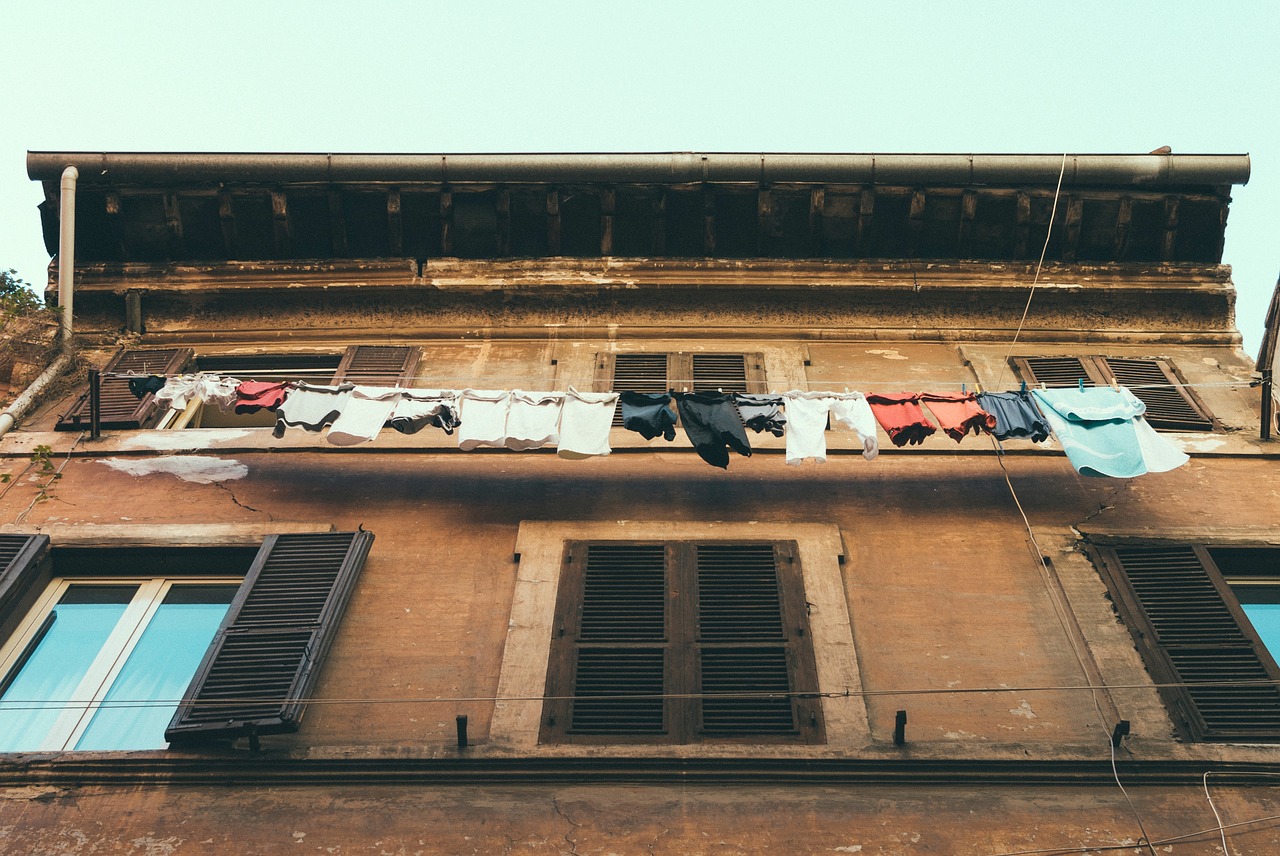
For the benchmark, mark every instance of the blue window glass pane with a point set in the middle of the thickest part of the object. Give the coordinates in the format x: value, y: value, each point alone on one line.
x: 36, y: 697
x: 145, y: 694
x: 1265, y: 618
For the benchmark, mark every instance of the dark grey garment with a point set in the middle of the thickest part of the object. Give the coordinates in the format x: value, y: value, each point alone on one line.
x: 761, y: 412
x: 648, y: 414
x: 1017, y: 416
x: 444, y: 417
x: 713, y: 426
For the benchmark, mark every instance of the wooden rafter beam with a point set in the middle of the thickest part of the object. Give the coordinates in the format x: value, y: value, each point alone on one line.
x: 446, y: 222
x: 227, y: 219
x: 280, y: 224
x: 1022, y: 231
x: 1071, y: 239
x: 968, y: 212
x: 1123, y: 216
x: 395, y: 223
x: 659, y: 238
x: 866, y: 216
x: 1169, y: 244
x: 817, y: 203
x: 173, y: 226
x: 708, y: 221
x: 553, y: 221
x: 115, y: 224
x: 338, y: 225
x: 608, y: 203
x: 915, y: 221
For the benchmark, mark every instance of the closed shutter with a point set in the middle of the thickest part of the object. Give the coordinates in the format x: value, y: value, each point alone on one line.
x: 378, y: 365
x: 632, y: 373
x: 120, y: 408
x: 1056, y: 372
x: 674, y: 642
x: 724, y: 372
x: 742, y: 646
x: 264, y: 661
x: 22, y: 560
x: 1191, y: 630
x: 1170, y: 405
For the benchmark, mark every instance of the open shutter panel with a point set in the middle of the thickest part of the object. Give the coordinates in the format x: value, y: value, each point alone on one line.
x: 264, y: 661
x: 1055, y: 372
x: 1199, y: 635
x: 378, y: 365
x: 1169, y: 405
x: 21, y: 559
x: 621, y: 641
x: 742, y: 642
x: 120, y: 408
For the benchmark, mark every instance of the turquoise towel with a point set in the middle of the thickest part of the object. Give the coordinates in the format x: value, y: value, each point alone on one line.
x: 1099, y: 430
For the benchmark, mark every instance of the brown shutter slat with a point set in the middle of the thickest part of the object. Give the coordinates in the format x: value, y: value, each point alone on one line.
x: 1191, y: 629
x: 636, y: 373
x: 120, y: 408
x: 22, y: 559
x: 264, y: 660
x: 1169, y: 405
x: 378, y: 365
x: 621, y: 641
x: 741, y: 639
x: 1056, y: 372
x: 726, y: 372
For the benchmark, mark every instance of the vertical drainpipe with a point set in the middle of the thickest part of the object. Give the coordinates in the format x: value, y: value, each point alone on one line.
x: 67, y: 250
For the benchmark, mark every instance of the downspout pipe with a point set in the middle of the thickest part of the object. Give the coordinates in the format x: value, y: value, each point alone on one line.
x: 67, y: 251
x: 66, y: 278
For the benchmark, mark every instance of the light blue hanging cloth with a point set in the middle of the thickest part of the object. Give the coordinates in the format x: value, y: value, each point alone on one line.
x: 1103, y: 433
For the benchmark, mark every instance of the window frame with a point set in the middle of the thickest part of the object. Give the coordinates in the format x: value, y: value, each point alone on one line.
x: 87, y: 698
x: 683, y: 647
x: 1098, y: 371
x: 1160, y: 656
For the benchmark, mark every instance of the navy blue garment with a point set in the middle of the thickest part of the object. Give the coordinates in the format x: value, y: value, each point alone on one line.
x: 648, y: 414
x: 713, y: 426
x: 1017, y: 416
x: 145, y: 385
x: 761, y: 412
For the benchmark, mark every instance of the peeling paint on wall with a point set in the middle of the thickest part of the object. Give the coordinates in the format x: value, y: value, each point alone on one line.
x: 176, y: 440
x: 198, y: 469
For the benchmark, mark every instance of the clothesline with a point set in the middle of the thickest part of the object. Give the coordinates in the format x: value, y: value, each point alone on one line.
x: 445, y: 381
x: 1102, y: 429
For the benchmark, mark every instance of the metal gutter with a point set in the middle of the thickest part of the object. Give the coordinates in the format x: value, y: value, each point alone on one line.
x: 1110, y: 170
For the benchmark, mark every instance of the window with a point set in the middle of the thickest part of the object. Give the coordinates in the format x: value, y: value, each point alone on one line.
x: 1171, y: 404
x: 374, y: 365
x: 663, y: 372
x: 1205, y: 621
x: 102, y: 662
x: 97, y: 658
x: 676, y: 642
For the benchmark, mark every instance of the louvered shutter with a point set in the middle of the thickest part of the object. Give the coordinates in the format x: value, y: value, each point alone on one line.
x: 265, y: 659
x: 378, y: 365
x: 22, y: 560
x: 1056, y: 372
x: 614, y: 636
x: 632, y: 373
x: 120, y: 408
x: 728, y: 372
x: 1169, y: 404
x: 1190, y: 629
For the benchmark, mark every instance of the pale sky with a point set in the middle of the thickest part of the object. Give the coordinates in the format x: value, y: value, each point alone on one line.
x: 1081, y: 77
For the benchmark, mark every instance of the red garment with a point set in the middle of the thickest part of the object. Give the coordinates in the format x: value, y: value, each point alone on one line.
x: 253, y: 395
x: 958, y: 413
x: 900, y: 416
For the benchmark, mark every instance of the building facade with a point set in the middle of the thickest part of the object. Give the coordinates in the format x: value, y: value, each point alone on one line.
x: 221, y: 640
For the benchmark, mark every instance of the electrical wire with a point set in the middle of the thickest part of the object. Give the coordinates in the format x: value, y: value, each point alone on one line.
x: 1057, y: 192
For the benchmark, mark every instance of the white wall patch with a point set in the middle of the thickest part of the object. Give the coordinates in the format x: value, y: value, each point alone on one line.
x: 198, y: 469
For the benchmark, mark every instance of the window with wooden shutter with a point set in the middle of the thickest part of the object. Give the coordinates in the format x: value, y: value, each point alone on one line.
x: 682, y: 372
x: 24, y: 559
x: 679, y: 642
x: 1171, y: 404
x: 120, y: 408
x: 264, y: 661
x: 378, y: 365
x: 1221, y: 682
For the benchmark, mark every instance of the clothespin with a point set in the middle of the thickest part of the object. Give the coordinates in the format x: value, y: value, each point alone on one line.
x: 1024, y: 387
x: 1115, y: 385
x: 964, y: 389
x: 977, y: 387
x: 1081, y: 382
